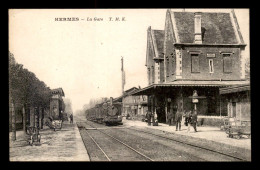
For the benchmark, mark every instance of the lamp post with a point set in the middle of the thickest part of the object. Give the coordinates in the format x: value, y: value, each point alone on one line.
x: 195, y: 98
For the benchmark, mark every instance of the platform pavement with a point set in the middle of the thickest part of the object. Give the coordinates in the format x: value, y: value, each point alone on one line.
x: 61, y: 145
x: 208, y: 133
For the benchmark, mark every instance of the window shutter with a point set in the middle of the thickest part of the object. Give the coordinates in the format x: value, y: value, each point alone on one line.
x: 195, y: 63
x: 227, y: 65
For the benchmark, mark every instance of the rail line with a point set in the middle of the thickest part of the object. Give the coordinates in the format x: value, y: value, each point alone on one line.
x: 94, y: 128
x: 98, y: 146
x: 211, y: 150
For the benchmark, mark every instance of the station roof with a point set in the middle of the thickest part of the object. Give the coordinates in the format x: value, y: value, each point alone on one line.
x: 219, y: 27
x: 149, y: 89
x: 234, y: 89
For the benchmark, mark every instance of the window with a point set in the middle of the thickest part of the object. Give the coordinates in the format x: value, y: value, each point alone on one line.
x: 211, y: 68
x: 227, y: 63
x: 195, y: 63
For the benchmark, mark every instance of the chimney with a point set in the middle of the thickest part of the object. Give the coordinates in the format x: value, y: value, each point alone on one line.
x: 197, y: 28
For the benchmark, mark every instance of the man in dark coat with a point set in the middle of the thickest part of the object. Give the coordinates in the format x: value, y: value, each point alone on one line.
x: 178, y: 119
x: 188, y: 120
x: 71, y: 118
x: 170, y: 117
x: 194, y: 118
x: 148, y: 116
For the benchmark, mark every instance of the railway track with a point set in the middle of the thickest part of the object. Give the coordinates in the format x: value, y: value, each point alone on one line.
x: 235, y: 158
x: 116, y: 139
x: 182, y: 142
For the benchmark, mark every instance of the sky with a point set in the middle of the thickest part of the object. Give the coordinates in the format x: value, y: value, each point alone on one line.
x: 84, y: 57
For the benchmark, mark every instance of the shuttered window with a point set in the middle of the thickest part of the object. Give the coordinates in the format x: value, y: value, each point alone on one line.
x: 195, y: 63
x: 227, y: 63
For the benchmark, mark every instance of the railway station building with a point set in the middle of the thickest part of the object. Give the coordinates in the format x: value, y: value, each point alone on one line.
x: 135, y: 106
x: 195, y: 51
x: 238, y: 102
x: 56, y: 104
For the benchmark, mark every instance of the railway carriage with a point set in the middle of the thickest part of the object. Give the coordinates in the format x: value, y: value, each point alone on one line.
x: 106, y: 112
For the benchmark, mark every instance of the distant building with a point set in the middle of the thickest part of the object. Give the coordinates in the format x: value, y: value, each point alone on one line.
x: 196, y: 51
x: 135, y: 106
x: 56, y: 103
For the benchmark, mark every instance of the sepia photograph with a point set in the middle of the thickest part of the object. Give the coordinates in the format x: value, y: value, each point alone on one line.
x: 129, y: 85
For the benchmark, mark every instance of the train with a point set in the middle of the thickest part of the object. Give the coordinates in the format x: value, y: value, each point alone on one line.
x: 108, y: 112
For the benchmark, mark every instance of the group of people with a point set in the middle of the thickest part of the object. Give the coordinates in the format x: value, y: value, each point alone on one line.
x: 190, y: 118
x: 151, y: 118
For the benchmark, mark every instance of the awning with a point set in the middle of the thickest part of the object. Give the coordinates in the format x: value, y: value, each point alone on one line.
x: 234, y: 89
x: 150, y: 89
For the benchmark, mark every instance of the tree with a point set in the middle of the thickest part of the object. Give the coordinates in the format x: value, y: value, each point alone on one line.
x: 25, y: 89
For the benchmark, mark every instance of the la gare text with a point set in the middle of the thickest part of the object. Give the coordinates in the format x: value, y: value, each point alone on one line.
x: 90, y: 19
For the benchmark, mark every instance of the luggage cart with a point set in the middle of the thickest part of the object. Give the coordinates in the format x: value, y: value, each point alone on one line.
x: 236, y: 129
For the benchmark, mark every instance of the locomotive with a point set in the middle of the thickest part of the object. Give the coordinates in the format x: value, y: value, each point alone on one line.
x: 107, y: 112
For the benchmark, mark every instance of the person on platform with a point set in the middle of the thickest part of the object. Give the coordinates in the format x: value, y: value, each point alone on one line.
x: 194, y: 120
x: 155, y: 120
x: 149, y: 115
x: 188, y: 120
x: 71, y: 118
x: 170, y: 118
x: 178, y: 119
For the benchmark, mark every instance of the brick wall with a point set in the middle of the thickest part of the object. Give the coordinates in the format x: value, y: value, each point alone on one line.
x: 204, y: 73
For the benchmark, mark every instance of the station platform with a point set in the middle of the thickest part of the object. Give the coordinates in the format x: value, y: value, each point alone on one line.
x: 211, y: 137
x: 60, y: 145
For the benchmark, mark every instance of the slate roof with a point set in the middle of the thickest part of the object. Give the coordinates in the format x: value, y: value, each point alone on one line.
x: 158, y: 36
x: 219, y: 28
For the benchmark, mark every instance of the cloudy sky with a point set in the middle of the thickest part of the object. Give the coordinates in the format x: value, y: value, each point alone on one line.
x: 84, y: 57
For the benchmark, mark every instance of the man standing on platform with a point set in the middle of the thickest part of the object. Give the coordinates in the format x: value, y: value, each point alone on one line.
x: 149, y: 115
x: 194, y: 118
x: 178, y: 119
x: 71, y: 119
x: 170, y: 117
